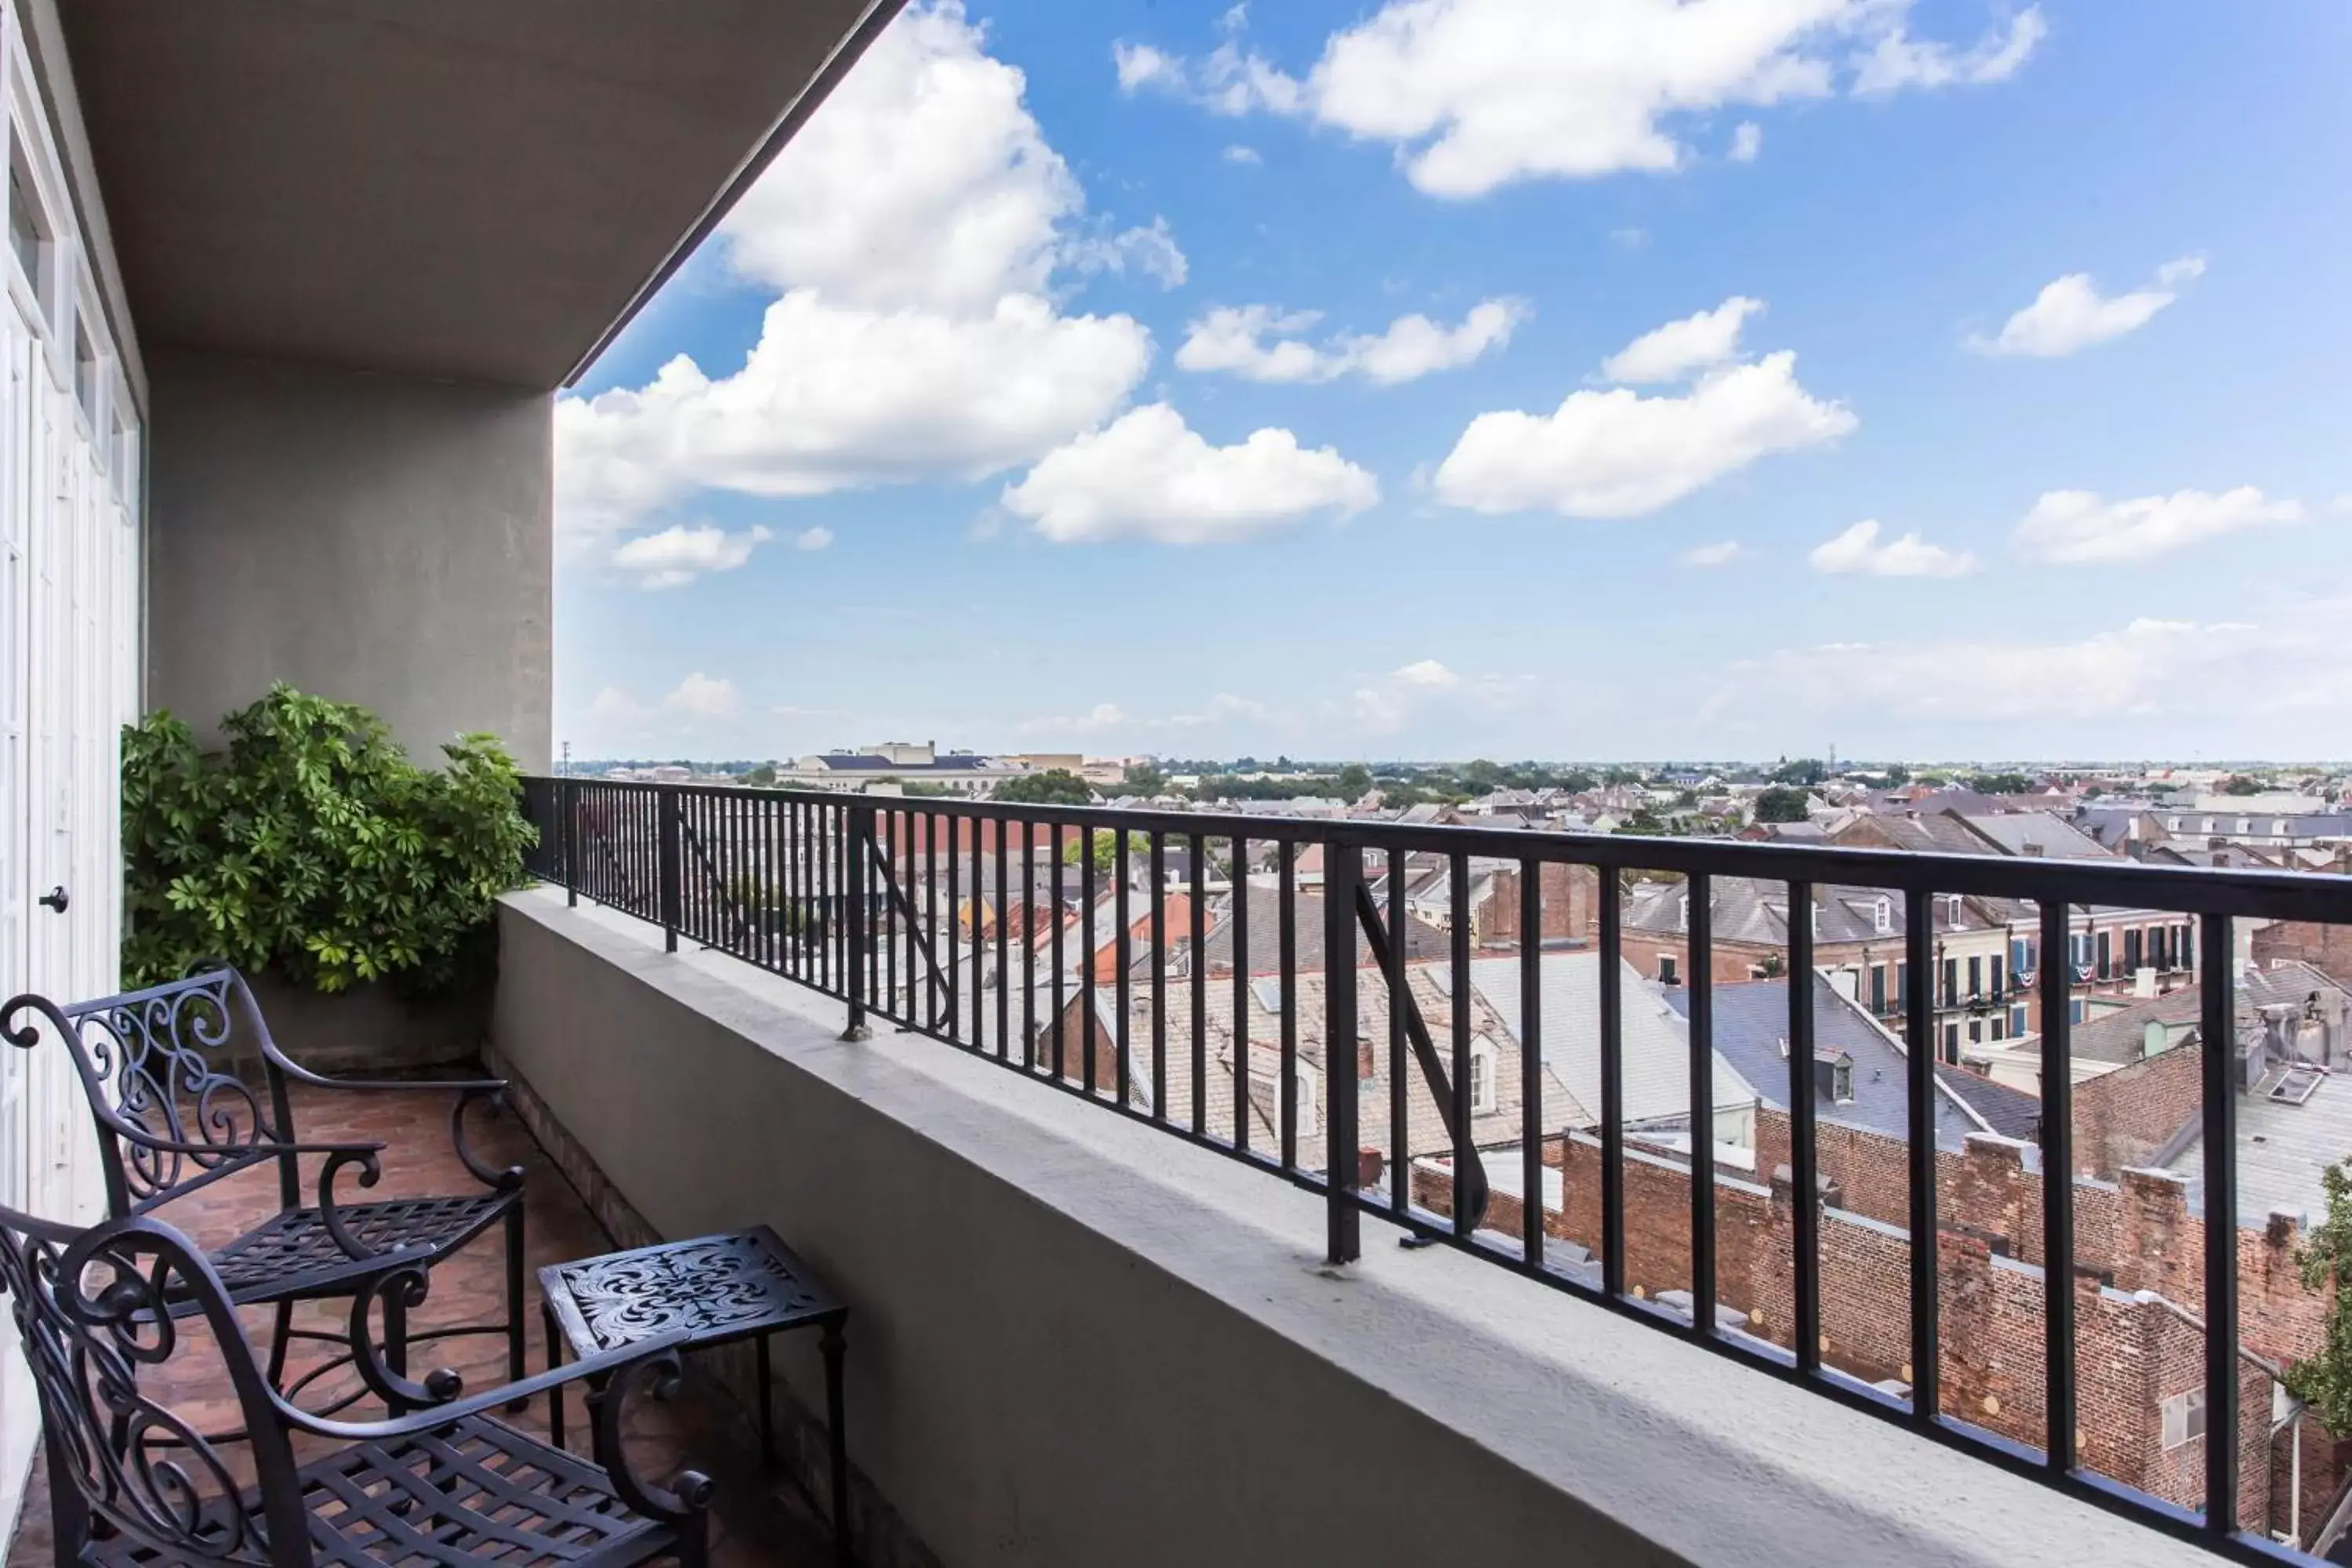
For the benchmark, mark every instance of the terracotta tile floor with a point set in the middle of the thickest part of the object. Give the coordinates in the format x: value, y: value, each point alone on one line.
x: 762, y: 1521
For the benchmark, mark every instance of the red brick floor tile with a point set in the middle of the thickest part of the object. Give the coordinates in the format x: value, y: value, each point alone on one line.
x: 761, y: 1520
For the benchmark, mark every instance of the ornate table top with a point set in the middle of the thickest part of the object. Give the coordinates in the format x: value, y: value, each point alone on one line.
x: 716, y: 1287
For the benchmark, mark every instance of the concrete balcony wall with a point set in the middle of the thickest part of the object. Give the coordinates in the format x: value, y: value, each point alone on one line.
x: 1075, y: 1340
x: 378, y: 539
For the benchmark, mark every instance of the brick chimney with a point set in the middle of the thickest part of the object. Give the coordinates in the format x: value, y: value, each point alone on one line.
x: 1368, y: 1167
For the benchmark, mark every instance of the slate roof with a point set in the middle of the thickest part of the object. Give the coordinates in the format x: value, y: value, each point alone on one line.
x: 1656, y: 1042
x: 1422, y: 941
x: 1751, y: 1021
x: 1750, y: 910
x: 2023, y: 832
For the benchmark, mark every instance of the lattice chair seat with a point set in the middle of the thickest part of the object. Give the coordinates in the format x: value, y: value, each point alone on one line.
x: 274, y: 1256
x: 168, y: 1074
x: 479, y: 1491
x: 100, y: 1312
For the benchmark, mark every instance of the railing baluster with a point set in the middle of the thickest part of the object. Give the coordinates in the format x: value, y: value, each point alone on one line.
x: 1804, y: 1186
x: 1029, y: 946
x: 1161, y: 951
x: 668, y: 860
x: 1124, y: 958
x: 972, y: 912
x: 1400, y: 1081
x: 1699, y: 893
x: 1286, y: 930
x: 2057, y: 1197
x: 1533, y: 1122
x: 1919, y: 1073
x: 1199, y: 977
x: 940, y: 822
x: 2218, y: 1035
x: 1342, y: 874
x: 857, y: 830
x: 1612, y: 1084
x: 1089, y: 945
x: 1004, y: 950
x: 1457, y: 912
x: 1240, y: 917
x: 1061, y: 976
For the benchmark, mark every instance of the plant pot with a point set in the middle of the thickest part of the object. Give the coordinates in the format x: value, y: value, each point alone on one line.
x: 372, y: 1028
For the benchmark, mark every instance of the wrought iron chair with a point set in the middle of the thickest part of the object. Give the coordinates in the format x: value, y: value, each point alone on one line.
x: 171, y: 1118
x: 104, y: 1312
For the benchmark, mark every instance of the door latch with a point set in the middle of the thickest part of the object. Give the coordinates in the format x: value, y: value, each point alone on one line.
x: 55, y: 898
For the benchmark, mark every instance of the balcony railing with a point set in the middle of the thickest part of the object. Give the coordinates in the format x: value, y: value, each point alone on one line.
x: 976, y: 924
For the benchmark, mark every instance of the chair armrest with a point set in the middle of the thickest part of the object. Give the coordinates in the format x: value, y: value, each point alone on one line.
x: 300, y: 1074
x: 437, y: 1415
x: 467, y: 1092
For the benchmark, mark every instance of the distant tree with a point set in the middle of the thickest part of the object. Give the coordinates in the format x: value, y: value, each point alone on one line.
x: 1620, y: 776
x: 1144, y: 778
x: 2001, y: 783
x: 1482, y: 775
x: 1805, y: 770
x: 1053, y: 787
x: 1576, y: 780
x: 762, y: 777
x: 2241, y: 784
x: 2094, y: 792
x: 1685, y: 799
x: 1354, y: 782
x: 1780, y: 804
x: 2324, y: 1381
x: 1644, y: 823
x: 1896, y: 773
x: 1105, y: 850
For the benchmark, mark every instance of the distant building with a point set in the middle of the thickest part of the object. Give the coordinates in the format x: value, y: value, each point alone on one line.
x: 962, y: 772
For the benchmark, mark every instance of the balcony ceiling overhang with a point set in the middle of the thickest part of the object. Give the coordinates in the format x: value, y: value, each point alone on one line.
x: 474, y: 189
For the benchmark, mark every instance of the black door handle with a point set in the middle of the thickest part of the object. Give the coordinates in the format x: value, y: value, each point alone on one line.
x: 55, y: 898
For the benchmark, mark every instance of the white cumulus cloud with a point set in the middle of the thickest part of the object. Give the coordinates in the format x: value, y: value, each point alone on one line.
x: 1673, y: 351
x: 1857, y: 551
x: 1747, y: 143
x: 813, y: 539
x: 1148, y: 476
x: 1722, y: 553
x: 1474, y: 94
x: 1620, y: 454
x: 1261, y: 343
x: 678, y: 554
x: 913, y: 229
x: 2076, y: 528
x: 2296, y: 667
x: 1427, y: 672
x: 1897, y: 61
x: 1239, y: 154
x: 701, y: 696
x: 2070, y: 313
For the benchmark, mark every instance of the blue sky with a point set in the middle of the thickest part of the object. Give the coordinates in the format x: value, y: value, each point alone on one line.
x: 953, y: 442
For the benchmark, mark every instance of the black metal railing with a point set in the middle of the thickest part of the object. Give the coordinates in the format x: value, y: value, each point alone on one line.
x: 993, y: 928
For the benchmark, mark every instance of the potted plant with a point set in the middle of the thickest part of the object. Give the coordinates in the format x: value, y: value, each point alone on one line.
x: 354, y: 887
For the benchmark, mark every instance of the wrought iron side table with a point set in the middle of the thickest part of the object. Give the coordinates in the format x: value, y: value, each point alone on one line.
x: 746, y: 1284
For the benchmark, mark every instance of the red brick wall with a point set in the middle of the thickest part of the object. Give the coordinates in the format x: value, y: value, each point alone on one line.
x: 2329, y: 947
x: 1571, y: 894
x: 2123, y: 1117
x: 2131, y: 1353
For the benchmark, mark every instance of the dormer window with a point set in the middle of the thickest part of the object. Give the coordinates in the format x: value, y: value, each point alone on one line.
x: 1882, y: 914
x: 1951, y: 910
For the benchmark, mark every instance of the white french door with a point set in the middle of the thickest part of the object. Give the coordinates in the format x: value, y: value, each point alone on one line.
x: 68, y: 640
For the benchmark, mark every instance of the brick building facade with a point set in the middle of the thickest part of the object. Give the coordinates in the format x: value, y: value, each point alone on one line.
x: 2138, y: 1293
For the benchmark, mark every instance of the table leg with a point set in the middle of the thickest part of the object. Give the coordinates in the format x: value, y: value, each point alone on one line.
x: 832, y: 1348
x: 767, y: 1404
x: 555, y: 1394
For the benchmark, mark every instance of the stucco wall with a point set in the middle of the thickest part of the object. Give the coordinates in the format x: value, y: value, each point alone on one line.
x: 376, y: 539
x: 1075, y: 1340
